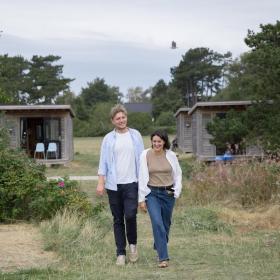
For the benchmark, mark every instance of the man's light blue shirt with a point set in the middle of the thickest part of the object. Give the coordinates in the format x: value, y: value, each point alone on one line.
x: 107, y: 163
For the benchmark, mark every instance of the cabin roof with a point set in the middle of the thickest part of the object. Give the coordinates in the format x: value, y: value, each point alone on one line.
x: 183, y: 109
x: 37, y: 107
x: 219, y: 104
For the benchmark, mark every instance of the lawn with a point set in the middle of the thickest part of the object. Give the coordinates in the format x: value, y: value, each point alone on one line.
x: 206, y: 242
x: 86, y: 157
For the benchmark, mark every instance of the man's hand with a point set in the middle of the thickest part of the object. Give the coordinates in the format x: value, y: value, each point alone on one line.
x: 100, y: 189
x: 143, y: 206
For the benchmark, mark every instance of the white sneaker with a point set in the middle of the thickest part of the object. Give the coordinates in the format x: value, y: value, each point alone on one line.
x: 120, y: 260
x: 133, y: 254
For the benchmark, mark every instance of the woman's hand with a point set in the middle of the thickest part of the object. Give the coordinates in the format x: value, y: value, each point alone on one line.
x: 143, y: 206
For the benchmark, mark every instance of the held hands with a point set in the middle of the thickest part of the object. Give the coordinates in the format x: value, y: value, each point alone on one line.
x: 143, y: 207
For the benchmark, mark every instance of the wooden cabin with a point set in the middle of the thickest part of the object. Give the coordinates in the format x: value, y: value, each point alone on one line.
x: 192, y: 122
x: 184, y: 130
x: 29, y: 125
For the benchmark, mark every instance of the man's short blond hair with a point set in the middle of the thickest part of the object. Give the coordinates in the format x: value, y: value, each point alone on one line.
x: 117, y: 109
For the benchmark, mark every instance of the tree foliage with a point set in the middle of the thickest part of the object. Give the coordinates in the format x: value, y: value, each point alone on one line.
x: 99, y: 92
x: 67, y: 97
x: 92, y: 108
x: 229, y: 130
x: 38, y: 81
x: 13, y: 79
x: 166, y: 118
x: 4, y: 98
x: 165, y: 98
x: 200, y: 74
x: 45, y: 80
x: 141, y: 121
x: 138, y: 95
x: 256, y: 77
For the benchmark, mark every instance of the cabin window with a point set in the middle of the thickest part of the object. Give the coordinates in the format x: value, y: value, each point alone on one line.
x: 52, y: 129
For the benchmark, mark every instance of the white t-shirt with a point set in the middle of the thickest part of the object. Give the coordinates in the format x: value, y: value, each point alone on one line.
x: 125, y: 159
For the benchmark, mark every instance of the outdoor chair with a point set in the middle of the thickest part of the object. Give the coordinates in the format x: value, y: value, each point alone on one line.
x: 52, y: 148
x: 40, y: 148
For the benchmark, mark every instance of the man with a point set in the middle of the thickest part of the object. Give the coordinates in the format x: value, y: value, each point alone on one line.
x: 118, y: 173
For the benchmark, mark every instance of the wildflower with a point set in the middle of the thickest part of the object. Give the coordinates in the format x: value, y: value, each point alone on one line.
x: 61, y: 183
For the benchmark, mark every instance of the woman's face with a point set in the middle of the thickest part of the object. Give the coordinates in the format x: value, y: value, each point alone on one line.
x: 157, y: 143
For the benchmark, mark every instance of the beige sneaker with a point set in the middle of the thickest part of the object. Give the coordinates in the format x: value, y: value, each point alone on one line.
x: 133, y: 254
x: 120, y: 260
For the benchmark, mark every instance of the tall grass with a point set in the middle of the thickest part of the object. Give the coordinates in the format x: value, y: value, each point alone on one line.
x: 247, y: 183
x: 73, y: 236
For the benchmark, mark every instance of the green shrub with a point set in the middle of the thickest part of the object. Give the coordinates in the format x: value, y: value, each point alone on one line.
x: 171, y: 130
x: 4, y: 137
x: 55, y: 195
x: 26, y: 194
x: 141, y: 122
x: 187, y: 165
x: 19, y: 177
x: 166, y: 119
x: 98, y: 122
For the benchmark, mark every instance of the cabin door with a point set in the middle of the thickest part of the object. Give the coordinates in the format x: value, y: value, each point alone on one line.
x: 40, y: 130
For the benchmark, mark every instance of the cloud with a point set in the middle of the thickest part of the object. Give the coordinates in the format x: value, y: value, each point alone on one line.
x: 127, y: 42
x: 123, y: 64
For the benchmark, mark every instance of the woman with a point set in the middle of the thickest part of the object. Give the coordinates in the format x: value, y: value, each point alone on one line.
x: 160, y: 183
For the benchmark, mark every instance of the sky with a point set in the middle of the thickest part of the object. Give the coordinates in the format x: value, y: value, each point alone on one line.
x: 127, y: 42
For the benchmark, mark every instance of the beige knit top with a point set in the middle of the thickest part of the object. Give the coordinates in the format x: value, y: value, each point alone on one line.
x: 160, y: 170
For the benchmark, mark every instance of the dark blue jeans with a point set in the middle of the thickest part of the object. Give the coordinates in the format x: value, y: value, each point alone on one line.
x: 123, y: 204
x: 160, y: 205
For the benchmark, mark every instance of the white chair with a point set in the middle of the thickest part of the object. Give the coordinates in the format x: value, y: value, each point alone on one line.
x: 40, y: 148
x: 52, y: 148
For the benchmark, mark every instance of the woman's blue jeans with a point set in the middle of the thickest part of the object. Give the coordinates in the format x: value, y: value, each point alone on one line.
x: 160, y: 205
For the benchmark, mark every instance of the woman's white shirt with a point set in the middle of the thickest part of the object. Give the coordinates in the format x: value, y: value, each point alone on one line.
x: 143, y: 189
x: 125, y: 159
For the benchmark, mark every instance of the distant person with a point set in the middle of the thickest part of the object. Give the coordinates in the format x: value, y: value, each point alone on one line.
x: 174, y: 144
x: 160, y: 183
x: 118, y: 173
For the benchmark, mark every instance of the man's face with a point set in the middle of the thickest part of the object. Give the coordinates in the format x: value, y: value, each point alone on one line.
x: 120, y: 121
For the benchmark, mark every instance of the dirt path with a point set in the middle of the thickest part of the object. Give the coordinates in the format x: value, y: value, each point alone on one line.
x: 21, y: 248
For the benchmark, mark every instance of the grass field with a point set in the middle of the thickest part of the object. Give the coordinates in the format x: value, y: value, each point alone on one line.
x: 86, y: 157
x: 206, y: 242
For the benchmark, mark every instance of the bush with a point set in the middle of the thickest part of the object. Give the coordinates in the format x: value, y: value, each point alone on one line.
x: 19, y: 177
x: 26, y: 194
x: 166, y: 119
x: 248, y: 183
x: 55, y: 195
x: 4, y: 138
x: 141, y: 122
x: 187, y: 165
x: 98, y: 122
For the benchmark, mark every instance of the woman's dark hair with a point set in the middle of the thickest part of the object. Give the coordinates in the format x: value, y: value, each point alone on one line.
x: 163, y: 136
